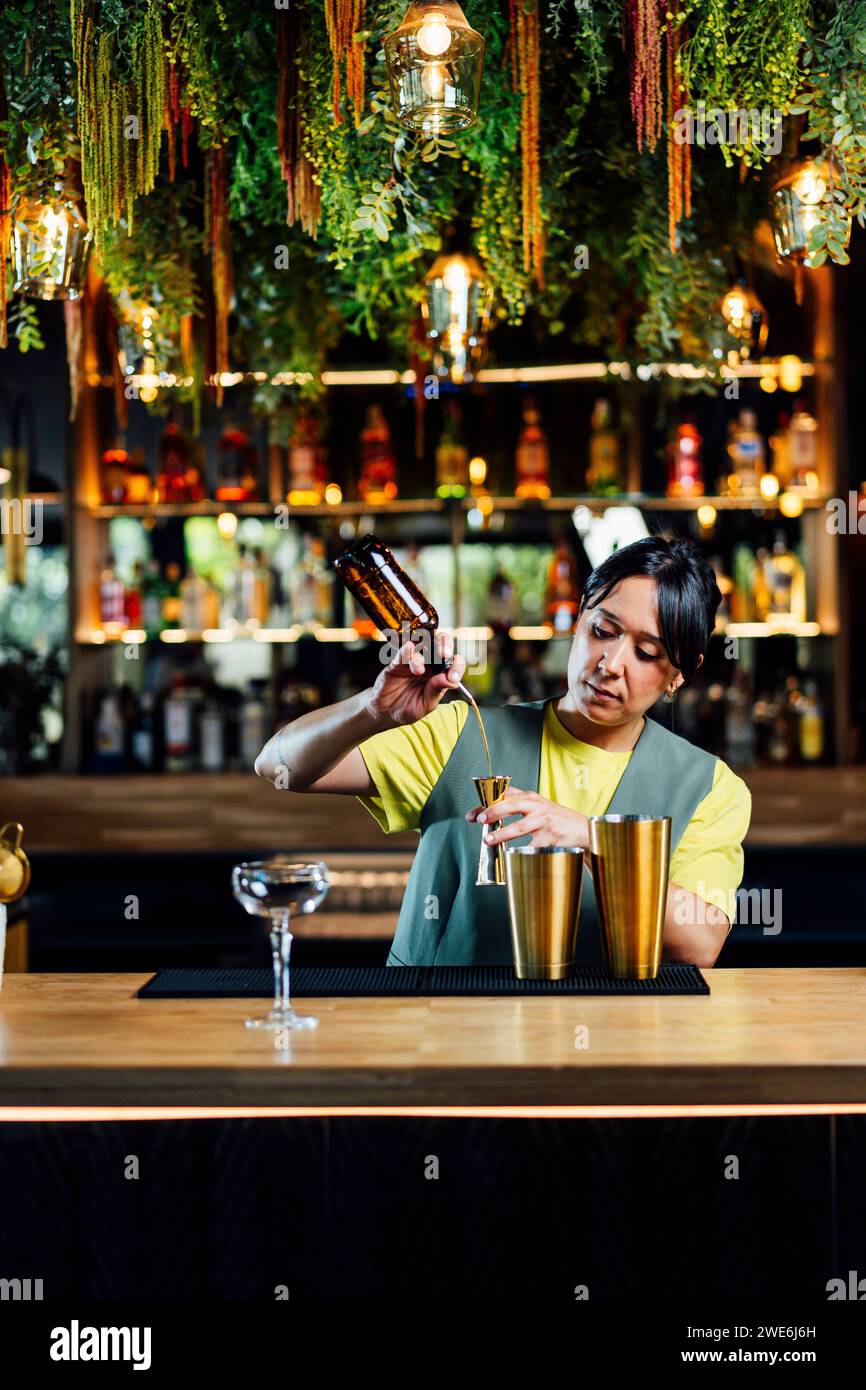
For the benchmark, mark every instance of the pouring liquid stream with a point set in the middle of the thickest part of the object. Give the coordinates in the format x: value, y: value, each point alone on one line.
x: 474, y: 705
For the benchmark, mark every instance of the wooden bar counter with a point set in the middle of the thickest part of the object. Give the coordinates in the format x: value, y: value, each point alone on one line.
x: 764, y: 1041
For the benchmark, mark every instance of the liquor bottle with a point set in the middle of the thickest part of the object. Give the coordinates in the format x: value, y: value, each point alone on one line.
x: 114, y: 475
x: 685, y: 466
x: 563, y: 594
x: 193, y: 590
x: 739, y: 723
x: 780, y: 444
x: 212, y: 738
x: 110, y: 734
x: 139, y: 488
x: 252, y: 735
x: 178, y: 477
x: 604, y: 474
x: 452, y: 456
x: 307, y: 465
x: 742, y: 571
x: 262, y: 589
x: 761, y: 599
x: 746, y: 452
x: 240, y: 592
x: 171, y: 596
x: 386, y: 593
x: 378, y: 481
x: 237, y: 467
x: 143, y: 743
x: 132, y: 597
x: 501, y: 602
x: 152, y: 595
x: 811, y: 725
x: 804, y: 449
x: 786, y: 582
x: 311, y: 586
x: 112, y: 597
x: 780, y: 747
x: 177, y: 719
x: 532, y: 457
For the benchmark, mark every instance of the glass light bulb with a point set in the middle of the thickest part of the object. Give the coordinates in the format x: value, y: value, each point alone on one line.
x: 456, y: 275
x: 433, y: 78
x: 809, y: 185
x: 434, y: 36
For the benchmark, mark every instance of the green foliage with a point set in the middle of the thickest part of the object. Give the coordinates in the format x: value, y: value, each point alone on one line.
x: 834, y: 102
x: 743, y: 55
x: 389, y: 197
x: 24, y: 325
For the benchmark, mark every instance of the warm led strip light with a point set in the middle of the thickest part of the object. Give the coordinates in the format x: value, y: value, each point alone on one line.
x: 75, y: 1114
x: 568, y: 371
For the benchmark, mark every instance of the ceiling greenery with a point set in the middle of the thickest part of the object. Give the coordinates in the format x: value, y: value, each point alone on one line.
x: 275, y: 221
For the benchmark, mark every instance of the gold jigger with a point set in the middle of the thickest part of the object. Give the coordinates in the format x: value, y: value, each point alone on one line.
x: 491, y: 865
x: 630, y: 861
x: 544, y: 889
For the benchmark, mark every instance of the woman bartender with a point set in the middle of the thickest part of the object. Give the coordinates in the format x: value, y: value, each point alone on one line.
x: 645, y: 620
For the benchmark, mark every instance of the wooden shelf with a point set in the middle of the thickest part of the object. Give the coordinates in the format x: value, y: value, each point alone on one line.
x: 414, y: 505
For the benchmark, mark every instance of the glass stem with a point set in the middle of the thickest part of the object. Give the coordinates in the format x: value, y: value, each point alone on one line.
x: 281, y: 946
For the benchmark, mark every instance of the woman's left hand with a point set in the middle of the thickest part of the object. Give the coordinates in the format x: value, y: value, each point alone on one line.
x: 546, y: 821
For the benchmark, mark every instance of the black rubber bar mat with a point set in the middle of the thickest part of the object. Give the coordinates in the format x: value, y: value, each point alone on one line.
x: 319, y: 982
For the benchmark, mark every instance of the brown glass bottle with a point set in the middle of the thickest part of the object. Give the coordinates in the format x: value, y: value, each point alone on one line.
x: 394, y: 602
x: 384, y: 590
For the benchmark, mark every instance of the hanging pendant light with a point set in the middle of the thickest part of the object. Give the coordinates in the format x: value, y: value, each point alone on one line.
x: 137, y: 335
x: 746, y: 318
x: 434, y: 63
x: 795, y: 204
x: 50, y: 249
x: 456, y: 309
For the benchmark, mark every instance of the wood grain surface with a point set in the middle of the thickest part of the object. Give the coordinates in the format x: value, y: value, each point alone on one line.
x: 763, y: 1037
x: 238, y: 812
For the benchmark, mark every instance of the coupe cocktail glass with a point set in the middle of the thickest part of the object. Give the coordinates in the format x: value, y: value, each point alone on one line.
x: 278, y: 890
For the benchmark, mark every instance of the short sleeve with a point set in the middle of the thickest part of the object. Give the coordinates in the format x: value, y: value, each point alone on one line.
x: 406, y: 762
x: 708, y: 860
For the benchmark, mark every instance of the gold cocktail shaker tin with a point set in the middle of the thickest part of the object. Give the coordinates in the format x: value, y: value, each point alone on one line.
x: 14, y: 864
x: 630, y: 858
x: 544, y: 890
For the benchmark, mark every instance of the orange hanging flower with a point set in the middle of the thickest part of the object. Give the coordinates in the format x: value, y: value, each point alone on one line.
x: 218, y: 238
x: 304, y: 194
x: 344, y: 20
x: 679, y: 155
x: 526, y: 59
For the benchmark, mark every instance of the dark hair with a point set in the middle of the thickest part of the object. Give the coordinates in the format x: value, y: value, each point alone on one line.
x: 688, y: 595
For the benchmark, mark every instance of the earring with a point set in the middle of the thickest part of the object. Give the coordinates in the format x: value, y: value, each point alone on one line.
x: 670, y: 696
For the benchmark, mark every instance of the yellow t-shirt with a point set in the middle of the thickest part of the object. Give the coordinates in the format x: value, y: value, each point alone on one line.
x: 405, y: 764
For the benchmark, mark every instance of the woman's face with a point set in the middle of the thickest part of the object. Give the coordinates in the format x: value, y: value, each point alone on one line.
x: 618, y: 666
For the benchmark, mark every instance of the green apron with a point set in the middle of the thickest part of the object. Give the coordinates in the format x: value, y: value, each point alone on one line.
x: 444, y: 918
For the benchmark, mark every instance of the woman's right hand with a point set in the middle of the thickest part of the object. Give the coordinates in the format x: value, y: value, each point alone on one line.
x: 405, y: 691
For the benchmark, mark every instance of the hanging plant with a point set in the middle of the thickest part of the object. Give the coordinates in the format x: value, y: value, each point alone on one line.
x: 644, y: 27
x: 526, y: 76
x: 218, y: 240
x: 345, y: 21
x: 678, y: 152
x: 120, y: 105
x: 743, y: 55
x: 304, y: 197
